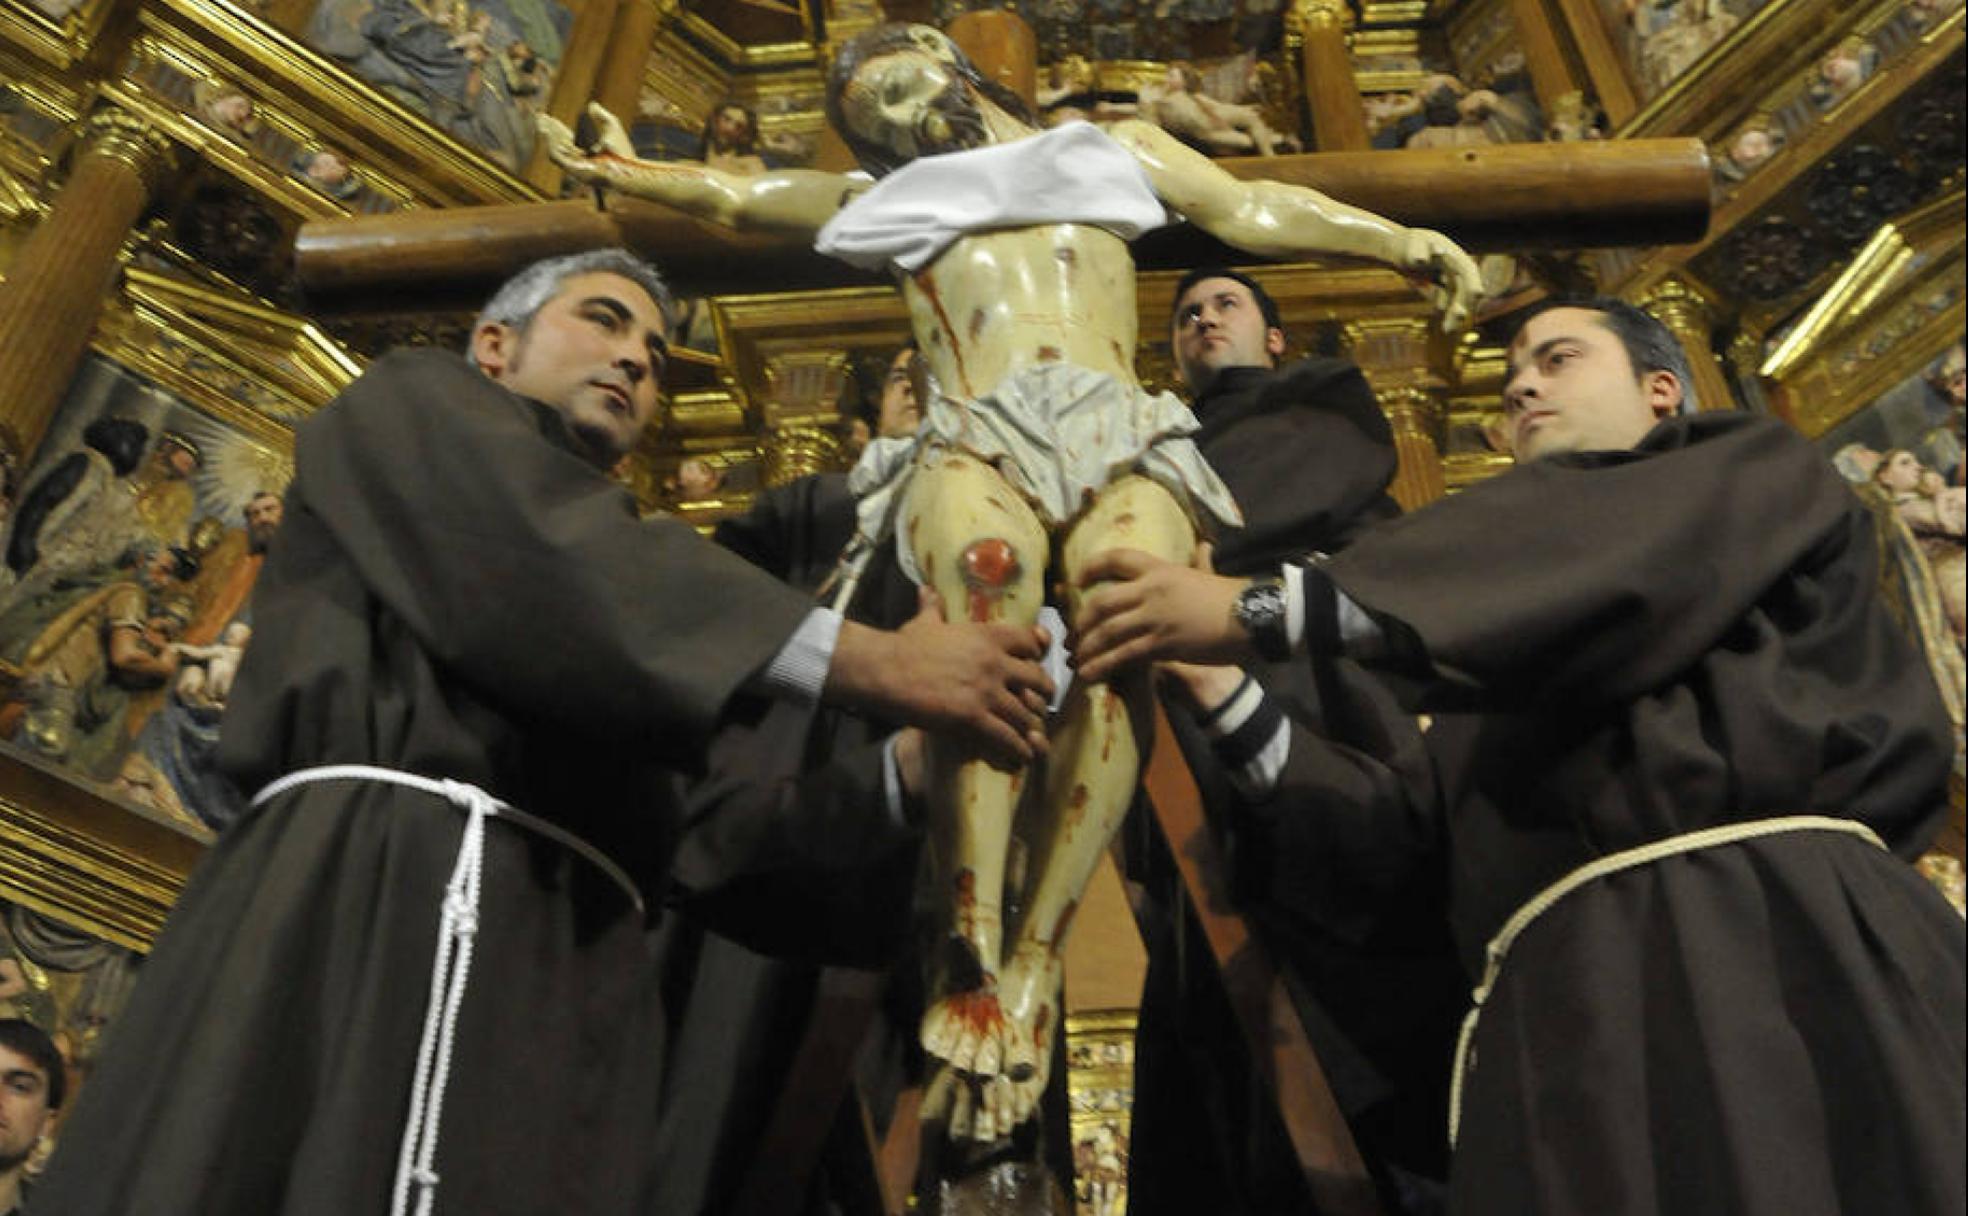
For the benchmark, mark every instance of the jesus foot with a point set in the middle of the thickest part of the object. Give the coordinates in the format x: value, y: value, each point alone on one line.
x: 966, y: 1029
x: 1029, y: 995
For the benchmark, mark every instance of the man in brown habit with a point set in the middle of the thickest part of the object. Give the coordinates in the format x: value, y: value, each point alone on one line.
x: 463, y: 624
x: 1678, y: 742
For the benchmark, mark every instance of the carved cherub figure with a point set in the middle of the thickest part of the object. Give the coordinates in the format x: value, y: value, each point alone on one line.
x: 1038, y: 444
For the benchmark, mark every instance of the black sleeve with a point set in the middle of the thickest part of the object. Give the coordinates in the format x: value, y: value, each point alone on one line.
x: 1595, y: 578
x: 762, y: 535
x: 24, y: 544
x: 1350, y: 840
x: 795, y: 854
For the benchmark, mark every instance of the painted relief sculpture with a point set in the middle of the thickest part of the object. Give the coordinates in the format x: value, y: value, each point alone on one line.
x: 1180, y: 106
x: 1038, y: 444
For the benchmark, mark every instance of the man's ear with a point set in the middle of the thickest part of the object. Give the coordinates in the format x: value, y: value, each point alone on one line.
x: 1274, y: 341
x: 493, y: 347
x: 1663, y: 391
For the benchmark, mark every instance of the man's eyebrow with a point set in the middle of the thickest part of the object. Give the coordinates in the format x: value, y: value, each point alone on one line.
x: 610, y: 303
x: 1537, y: 352
x: 622, y: 312
x: 22, y: 1074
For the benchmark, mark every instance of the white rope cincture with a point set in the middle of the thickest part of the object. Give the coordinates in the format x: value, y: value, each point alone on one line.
x: 416, y: 1163
x: 1612, y: 863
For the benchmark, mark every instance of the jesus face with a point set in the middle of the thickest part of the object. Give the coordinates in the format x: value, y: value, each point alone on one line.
x: 913, y: 104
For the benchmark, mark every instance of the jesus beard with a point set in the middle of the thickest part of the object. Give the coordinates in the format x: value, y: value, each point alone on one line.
x: 951, y: 123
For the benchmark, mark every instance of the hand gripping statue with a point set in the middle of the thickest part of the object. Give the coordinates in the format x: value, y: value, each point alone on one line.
x: 1038, y: 443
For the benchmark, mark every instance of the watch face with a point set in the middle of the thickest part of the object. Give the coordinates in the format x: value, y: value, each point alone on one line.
x: 1261, y: 611
x: 1261, y: 606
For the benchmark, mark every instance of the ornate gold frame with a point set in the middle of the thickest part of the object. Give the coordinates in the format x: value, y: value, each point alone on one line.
x: 62, y: 42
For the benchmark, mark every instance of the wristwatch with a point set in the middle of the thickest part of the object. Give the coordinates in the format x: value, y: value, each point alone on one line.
x: 1260, y: 610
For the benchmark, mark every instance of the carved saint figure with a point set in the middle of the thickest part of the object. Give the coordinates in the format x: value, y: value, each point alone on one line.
x: 731, y: 136
x: 1938, y: 516
x: 698, y: 480
x: 1752, y: 146
x: 327, y: 171
x: 1179, y: 106
x: 1674, y: 36
x: 1038, y: 444
x: 1842, y: 70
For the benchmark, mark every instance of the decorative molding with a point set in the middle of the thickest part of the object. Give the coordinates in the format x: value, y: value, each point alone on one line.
x: 124, y: 137
x: 72, y: 853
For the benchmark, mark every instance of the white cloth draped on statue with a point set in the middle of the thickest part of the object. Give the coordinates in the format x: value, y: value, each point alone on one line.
x: 1072, y: 174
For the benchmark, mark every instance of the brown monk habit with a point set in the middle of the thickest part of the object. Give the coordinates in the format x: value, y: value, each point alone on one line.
x: 1308, y: 455
x: 1652, y: 642
x: 456, y: 594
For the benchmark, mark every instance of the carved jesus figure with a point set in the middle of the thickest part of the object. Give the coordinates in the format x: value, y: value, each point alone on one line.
x: 1038, y: 442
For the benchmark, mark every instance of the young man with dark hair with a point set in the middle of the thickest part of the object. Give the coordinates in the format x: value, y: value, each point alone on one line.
x: 463, y: 619
x: 1306, y: 450
x: 33, y: 1082
x: 1679, y: 741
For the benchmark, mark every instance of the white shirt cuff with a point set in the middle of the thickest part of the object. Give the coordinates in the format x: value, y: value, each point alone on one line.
x: 892, y: 795
x: 1295, y: 606
x: 799, y: 670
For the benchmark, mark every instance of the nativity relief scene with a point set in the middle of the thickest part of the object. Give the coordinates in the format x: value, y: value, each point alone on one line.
x: 1078, y: 606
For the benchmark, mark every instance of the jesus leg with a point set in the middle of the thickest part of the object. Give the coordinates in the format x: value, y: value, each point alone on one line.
x: 1096, y: 763
x: 982, y: 548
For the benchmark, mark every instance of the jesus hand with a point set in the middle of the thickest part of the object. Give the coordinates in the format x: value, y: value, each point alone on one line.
x: 1458, y: 283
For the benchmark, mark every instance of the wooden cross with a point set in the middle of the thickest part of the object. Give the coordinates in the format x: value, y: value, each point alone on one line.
x: 1511, y: 197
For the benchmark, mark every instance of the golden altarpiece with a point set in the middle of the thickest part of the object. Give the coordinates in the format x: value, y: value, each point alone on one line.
x: 214, y: 212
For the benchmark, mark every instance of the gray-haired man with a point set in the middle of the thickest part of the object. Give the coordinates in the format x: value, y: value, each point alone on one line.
x: 462, y: 619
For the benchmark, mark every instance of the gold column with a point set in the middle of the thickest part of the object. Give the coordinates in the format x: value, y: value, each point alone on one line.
x: 1002, y: 46
x: 1394, y: 353
x: 1559, y: 89
x: 793, y: 452
x: 619, y: 87
x: 64, y: 270
x: 1688, y: 316
x: 1605, y: 63
x: 1339, y: 119
x: 801, y: 413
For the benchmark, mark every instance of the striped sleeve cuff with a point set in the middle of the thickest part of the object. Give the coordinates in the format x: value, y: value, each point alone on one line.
x: 799, y: 671
x: 1251, y: 739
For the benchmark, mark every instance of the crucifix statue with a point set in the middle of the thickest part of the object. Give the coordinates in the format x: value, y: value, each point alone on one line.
x: 1039, y: 447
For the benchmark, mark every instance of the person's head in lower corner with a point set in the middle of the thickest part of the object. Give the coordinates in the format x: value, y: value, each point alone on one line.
x: 1221, y: 319
x: 1591, y: 375
x: 33, y: 1083
x: 588, y: 335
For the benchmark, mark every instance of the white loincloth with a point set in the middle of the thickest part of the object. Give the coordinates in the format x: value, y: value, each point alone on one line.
x: 1058, y: 433
x: 1072, y: 174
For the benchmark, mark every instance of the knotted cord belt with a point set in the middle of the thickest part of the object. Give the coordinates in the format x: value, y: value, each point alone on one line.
x: 457, y: 927
x: 1612, y: 863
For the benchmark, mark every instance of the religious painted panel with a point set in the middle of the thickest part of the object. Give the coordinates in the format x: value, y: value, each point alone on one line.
x: 480, y: 70
x: 1921, y: 416
x: 126, y: 569
x: 1663, y: 39
x: 1903, y: 455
